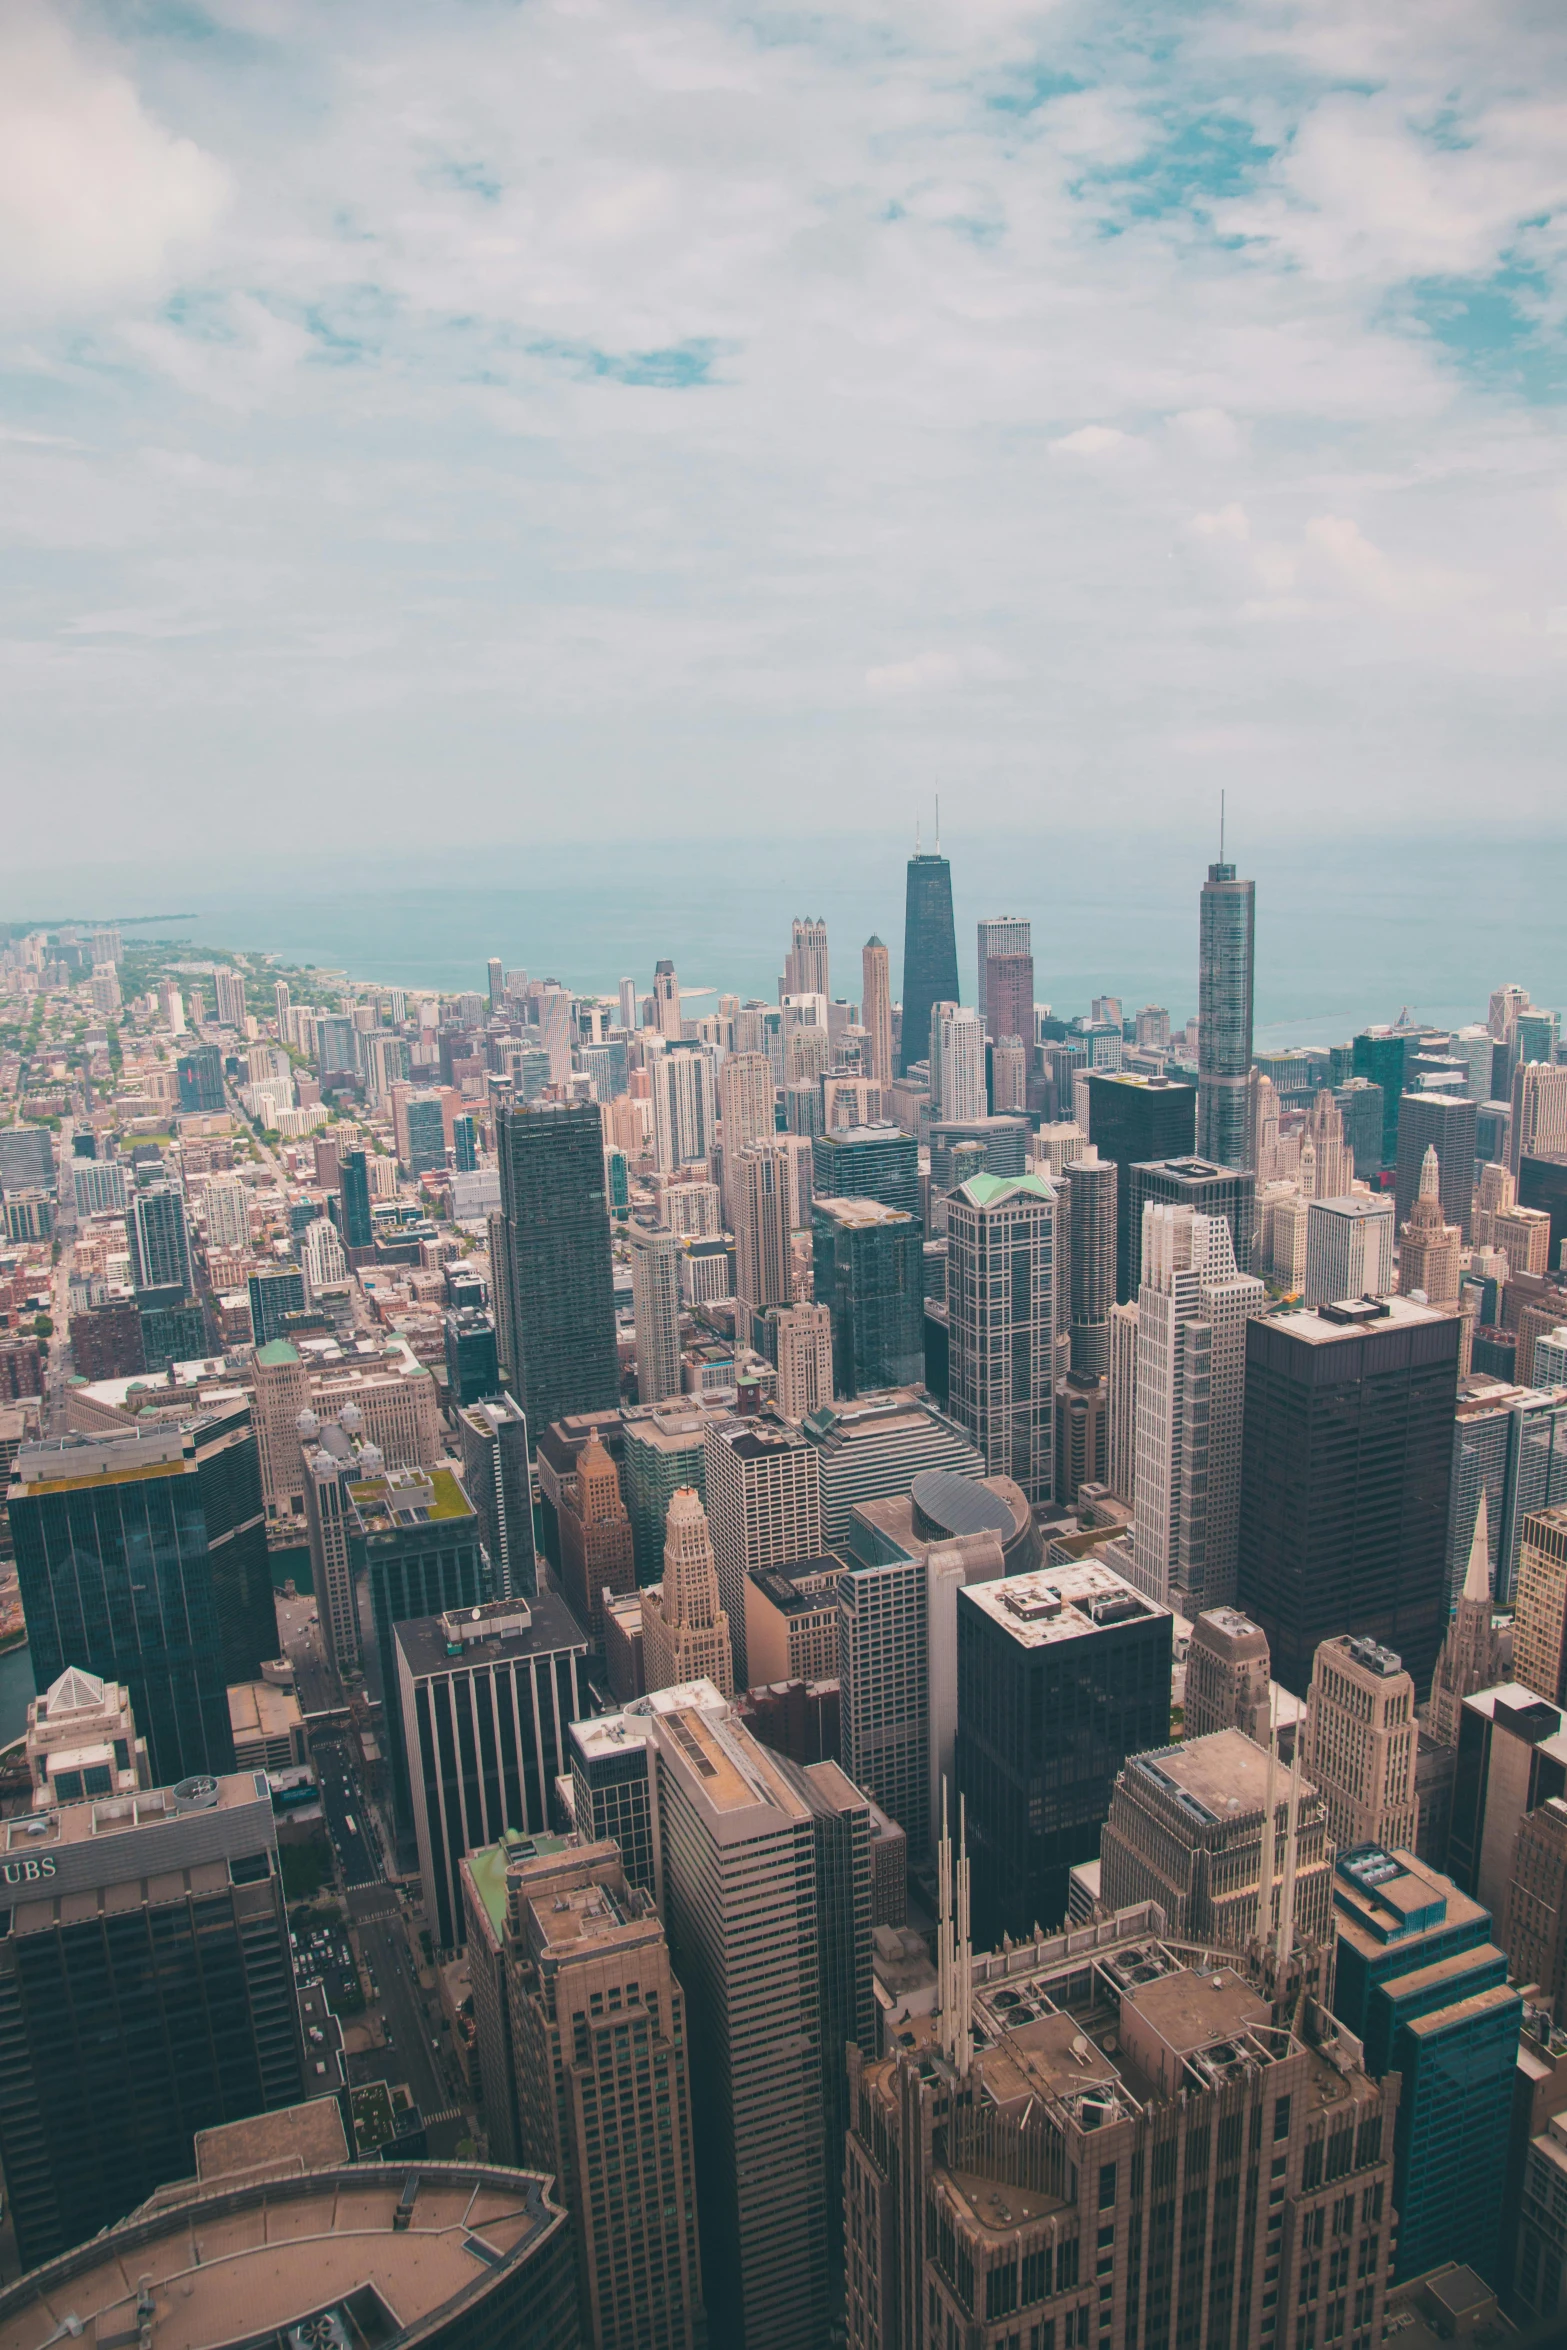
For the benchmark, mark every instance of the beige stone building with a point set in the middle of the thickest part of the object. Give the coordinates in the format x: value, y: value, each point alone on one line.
x: 1228, y: 1673
x: 685, y: 1631
x: 1361, y: 1743
x: 791, y: 1622
x: 1540, y: 1605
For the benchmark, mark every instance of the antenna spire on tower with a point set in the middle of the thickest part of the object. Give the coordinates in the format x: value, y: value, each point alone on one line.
x: 1221, y: 828
x: 938, y: 824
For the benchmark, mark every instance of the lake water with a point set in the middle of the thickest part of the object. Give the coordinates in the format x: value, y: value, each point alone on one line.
x: 1348, y: 930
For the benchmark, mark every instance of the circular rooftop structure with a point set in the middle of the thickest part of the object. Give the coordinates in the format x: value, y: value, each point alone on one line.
x: 946, y: 1505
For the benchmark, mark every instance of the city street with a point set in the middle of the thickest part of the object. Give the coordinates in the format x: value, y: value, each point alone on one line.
x: 352, y: 1831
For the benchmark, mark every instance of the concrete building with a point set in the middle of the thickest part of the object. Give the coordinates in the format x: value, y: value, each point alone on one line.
x: 268, y: 1726
x: 685, y: 1105
x: 1193, y: 1309
x: 1198, y: 1827
x: 1203, y: 1186
x: 908, y: 1556
x: 1509, y: 1449
x: 1349, y: 1248
x: 685, y: 1631
x: 1430, y: 1250
x: 957, y: 1062
x: 1512, y: 1756
x: 877, y: 1445
x: 1002, y: 1304
x: 169, y: 1904
x: 791, y: 1622
x: 805, y: 1380
x: 760, y: 1179
x: 1534, y: 1924
x: 597, y: 1551
x: 1445, y: 1123
x: 655, y: 1292
x: 763, y: 1495
x: 1360, y: 1744
x: 1540, y: 1606
x: 1086, y: 1197
x: 1228, y: 1676
x: 502, y: 1679
x: 1036, y: 1762
x: 279, y: 2238
x: 1121, y: 1402
x: 588, y: 2035
x: 876, y: 1008
x: 1107, y: 2067
x: 659, y: 1451
x: 1539, y: 1120
x: 81, y: 1741
x: 493, y: 1437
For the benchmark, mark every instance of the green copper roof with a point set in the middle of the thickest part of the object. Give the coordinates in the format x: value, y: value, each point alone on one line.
x: 487, y: 1867
x: 278, y: 1351
x: 983, y: 1191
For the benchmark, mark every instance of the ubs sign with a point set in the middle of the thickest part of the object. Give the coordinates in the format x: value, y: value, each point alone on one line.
x: 26, y: 1872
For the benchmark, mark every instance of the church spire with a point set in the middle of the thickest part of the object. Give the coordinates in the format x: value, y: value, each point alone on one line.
x: 1477, y: 1579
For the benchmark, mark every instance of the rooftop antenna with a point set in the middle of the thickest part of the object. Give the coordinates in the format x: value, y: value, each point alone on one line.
x: 1221, y: 828
x: 938, y: 824
x: 916, y: 836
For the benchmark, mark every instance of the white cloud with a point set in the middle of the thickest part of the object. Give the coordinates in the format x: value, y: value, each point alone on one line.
x: 940, y: 672
x: 97, y: 199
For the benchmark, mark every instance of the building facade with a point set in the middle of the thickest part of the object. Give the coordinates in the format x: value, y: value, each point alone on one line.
x: 1002, y: 1309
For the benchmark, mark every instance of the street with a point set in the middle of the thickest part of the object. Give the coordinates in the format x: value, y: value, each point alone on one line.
x: 353, y: 1832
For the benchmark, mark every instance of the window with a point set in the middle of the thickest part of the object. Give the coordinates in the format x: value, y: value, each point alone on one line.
x: 1281, y: 2119
x: 1106, y: 2185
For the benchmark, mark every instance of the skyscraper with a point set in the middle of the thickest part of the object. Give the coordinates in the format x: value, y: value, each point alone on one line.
x: 1135, y: 1120
x: 930, y: 952
x: 1346, y: 1463
x: 1445, y: 1123
x: 684, y: 1105
x: 868, y: 1263
x: 745, y: 1103
x: 554, y: 1231
x: 1087, y: 1194
x: 666, y: 1000
x: 868, y: 1162
x: 590, y: 2034
x: 1429, y: 1248
x: 1002, y: 1307
x: 501, y: 1679
x: 146, y: 1993
x: 876, y: 1007
x: 655, y: 1293
x: 1419, y: 1981
x: 1539, y: 1120
x: 597, y: 1547
x: 1225, y: 953
x: 1334, y: 1161
x: 1360, y: 1743
x: 685, y: 1632
x: 805, y: 965
x: 143, y: 1558
x: 1193, y: 1308
x: 957, y: 1062
x: 1228, y: 1676
x: 1005, y: 991
x: 493, y: 1436
x: 1540, y: 1606
x: 1349, y: 1249
x: 761, y: 1192
x: 1061, y: 1675
x: 1197, y: 1183
x: 275, y: 1294
x: 159, y: 1238
x: 764, y: 1509
x: 358, y: 1225
x: 805, y: 1379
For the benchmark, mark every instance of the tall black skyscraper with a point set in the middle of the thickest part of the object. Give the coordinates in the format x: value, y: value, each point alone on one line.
x: 558, y: 1283
x: 1225, y: 955
x: 358, y: 1226
x: 144, y: 1558
x: 1445, y: 1122
x: 930, y: 952
x: 1134, y: 1120
x: 1346, y: 1463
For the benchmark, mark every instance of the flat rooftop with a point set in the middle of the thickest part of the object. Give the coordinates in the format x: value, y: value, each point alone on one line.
x: 1061, y: 1603
x: 731, y: 1771
x: 37, y: 1832
x: 859, y: 1214
x: 1221, y: 1777
x: 423, y: 1640
x: 1316, y: 1326
x: 238, y: 2263
x: 803, y: 1587
x: 409, y: 1497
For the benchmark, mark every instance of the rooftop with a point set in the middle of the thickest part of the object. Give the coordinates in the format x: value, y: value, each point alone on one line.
x: 1355, y: 1207
x: 409, y: 1497
x: 1221, y: 1777
x: 278, y: 2252
x: 858, y: 1213
x: 729, y: 1770
x: 1067, y: 1602
x: 990, y: 1191
x: 544, y: 1624
x: 1352, y: 1318
x: 803, y: 1587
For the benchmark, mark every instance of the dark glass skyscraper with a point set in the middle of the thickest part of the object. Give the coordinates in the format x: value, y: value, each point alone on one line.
x: 1225, y: 955
x: 274, y: 1295
x: 200, y: 1077
x: 869, y: 1272
x: 354, y: 1183
x: 122, y: 1571
x: 1444, y: 1122
x: 868, y: 1162
x: 1197, y: 1183
x: 1134, y: 1120
x: 558, y: 1286
x: 159, y: 1238
x: 930, y: 953
x: 1345, y: 1471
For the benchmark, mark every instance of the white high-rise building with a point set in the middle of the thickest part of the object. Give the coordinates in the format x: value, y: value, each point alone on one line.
x: 630, y: 1018
x: 321, y: 1255
x: 957, y: 1062
x: 655, y: 1294
x: 227, y: 1203
x: 684, y: 1106
x: 1003, y: 1313
x: 761, y: 1184
x: 1121, y: 1402
x: 692, y: 1209
x: 172, y: 1005
x: 805, y: 965
x: 1193, y: 1307
x: 1539, y: 1127
x: 764, y: 1508
x: 804, y: 1360
x: 230, y: 987
x: 1349, y: 1248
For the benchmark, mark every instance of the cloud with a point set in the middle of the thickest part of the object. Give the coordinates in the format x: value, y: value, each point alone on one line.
x: 97, y: 199
x: 940, y: 672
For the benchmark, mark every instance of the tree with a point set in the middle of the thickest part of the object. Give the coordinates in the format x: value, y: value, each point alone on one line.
x: 43, y: 1326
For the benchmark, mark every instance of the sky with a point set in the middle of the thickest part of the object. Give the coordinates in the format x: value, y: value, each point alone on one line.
x: 459, y: 425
